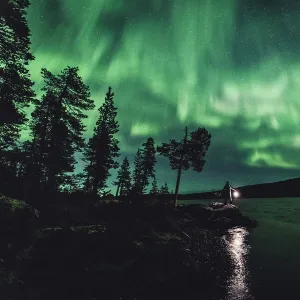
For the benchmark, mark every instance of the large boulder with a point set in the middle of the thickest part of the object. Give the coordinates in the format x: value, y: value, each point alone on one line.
x: 18, y: 232
x: 107, y: 199
x: 18, y: 225
x: 224, y: 210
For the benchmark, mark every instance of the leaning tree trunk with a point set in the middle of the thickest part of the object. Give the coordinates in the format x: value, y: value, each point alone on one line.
x: 121, y: 189
x: 118, y: 188
x: 143, y: 185
x: 180, y: 168
x: 94, y: 191
x: 178, y: 180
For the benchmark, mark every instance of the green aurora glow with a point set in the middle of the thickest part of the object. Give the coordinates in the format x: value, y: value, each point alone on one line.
x: 231, y: 66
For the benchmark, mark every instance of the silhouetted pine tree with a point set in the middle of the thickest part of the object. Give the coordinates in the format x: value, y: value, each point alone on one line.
x: 148, y: 162
x: 25, y: 156
x: 154, y: 189
x: 102, y: 149
x: 41, y: 130
x: 57, y: 128
x: 72, y: 183
x: 189, y: 152
x: 9, y: 170
x: 138, y: 173
x: 15, y: 85
x: 13, y: 165
x: 123, y: 181
x: 164, y: 190
x: 79, y: 182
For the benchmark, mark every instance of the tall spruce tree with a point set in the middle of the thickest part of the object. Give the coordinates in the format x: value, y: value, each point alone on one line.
x: 9, y: 167
x: 190, y: 152
x: 164, y: 190
x: 138, y: 173
x: 123, y: 181
x: 15, y: 85
x: 24, y: 161
x: 41, y: 130
x: 148, y: 162
x: 154, y: 189
x: 102, y: 149
x: 57, y: 128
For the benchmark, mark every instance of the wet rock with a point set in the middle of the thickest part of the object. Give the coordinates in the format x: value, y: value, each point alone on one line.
x: 216, y: 205
x: 218, y: 215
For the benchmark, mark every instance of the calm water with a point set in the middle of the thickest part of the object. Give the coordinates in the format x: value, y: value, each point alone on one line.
x: 267, y: 258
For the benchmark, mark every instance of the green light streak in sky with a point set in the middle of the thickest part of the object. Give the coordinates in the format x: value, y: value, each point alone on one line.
x: 202, y: 63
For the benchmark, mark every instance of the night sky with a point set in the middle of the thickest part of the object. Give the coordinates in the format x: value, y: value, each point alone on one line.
x: 230, y: 66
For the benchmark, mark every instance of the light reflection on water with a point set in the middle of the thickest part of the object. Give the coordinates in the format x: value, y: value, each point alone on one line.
x: 237, y: 285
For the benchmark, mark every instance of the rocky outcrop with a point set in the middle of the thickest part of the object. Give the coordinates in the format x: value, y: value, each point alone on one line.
x: 133, y: 252
x: 18, y: 232
x: 218, y: 216
x: 126, y: 258
x: 107, y: 199
x: 18, y: 225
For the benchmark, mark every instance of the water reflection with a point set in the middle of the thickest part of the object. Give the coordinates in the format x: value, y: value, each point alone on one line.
x: 237, y: 285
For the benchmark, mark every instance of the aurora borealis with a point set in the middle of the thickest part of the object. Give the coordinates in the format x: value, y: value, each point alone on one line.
x: 230, y: 66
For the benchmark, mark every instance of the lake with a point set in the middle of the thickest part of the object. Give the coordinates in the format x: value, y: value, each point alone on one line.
x: 267, y: 258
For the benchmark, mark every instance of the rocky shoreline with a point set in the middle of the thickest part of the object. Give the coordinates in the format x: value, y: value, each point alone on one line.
x: 133, y: 252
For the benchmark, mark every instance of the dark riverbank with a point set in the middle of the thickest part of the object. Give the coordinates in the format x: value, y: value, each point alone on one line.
x: 280, y: 189
x: 133, y: 252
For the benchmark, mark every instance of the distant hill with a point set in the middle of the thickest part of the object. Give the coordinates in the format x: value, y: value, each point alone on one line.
x: 286, y: 188
x: 280, y: 189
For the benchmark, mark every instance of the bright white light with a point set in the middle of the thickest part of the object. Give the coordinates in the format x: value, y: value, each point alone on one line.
x: 235, y: 194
